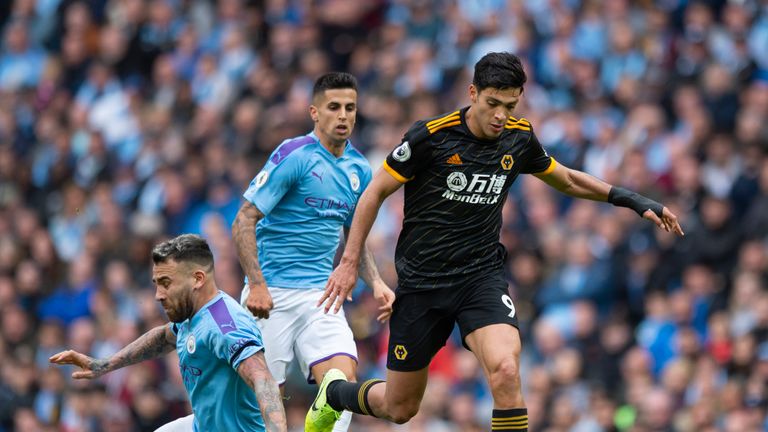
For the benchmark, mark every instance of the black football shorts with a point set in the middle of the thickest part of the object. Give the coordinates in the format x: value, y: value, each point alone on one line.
x: 422, y: 321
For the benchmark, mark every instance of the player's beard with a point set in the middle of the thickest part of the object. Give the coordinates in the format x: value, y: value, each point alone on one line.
x: 182, y: 309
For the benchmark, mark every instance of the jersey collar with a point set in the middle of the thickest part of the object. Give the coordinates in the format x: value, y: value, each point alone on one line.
x: 344, y: 155
x: 215, y: 298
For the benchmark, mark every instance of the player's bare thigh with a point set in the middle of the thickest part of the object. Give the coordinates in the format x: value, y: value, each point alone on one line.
x: 497, y: 348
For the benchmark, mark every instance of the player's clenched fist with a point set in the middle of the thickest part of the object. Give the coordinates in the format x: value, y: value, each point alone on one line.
x: 259, y: 301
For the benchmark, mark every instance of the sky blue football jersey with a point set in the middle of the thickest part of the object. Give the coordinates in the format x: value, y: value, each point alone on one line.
x: 306, y: 194
x: 211, y: 345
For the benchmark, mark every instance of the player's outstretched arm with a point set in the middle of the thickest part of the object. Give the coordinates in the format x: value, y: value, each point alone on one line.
x: 582, y: 185
x: 154, y: 343
x: 259, y: 301
x: 343, y: 278
x: 254, y: 372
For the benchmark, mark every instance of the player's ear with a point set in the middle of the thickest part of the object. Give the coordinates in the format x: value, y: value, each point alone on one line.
x: 313, y: 113
x: 473, y: 93
x: 200, y: 276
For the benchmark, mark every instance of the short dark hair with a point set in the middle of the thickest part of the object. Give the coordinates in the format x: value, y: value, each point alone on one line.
x: 500, y: 70
x: 334, y: 80
x: 184, y: 248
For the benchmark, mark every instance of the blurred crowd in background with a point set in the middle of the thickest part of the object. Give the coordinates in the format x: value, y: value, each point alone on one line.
x: 123, y: 122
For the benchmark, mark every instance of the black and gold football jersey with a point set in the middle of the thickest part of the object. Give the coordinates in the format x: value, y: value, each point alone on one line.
x: 455, y: 187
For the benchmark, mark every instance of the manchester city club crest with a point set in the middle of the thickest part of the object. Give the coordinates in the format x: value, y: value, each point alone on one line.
x: 354, y: 181
x: 191, y: 347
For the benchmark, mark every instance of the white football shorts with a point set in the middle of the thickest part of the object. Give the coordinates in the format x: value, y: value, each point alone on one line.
x: 296, y: 327
x: 183, y: 424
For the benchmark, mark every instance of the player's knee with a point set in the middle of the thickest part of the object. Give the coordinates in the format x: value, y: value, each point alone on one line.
x: 506, y: 374
x: 401, y: 413
x: 402, y: 416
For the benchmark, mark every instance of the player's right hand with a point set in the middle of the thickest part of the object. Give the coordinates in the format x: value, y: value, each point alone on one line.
x: 90, y: 367
x: 668, y: 221
x: 385, y: 297
x: 259, y: 301
x: 339, y: 286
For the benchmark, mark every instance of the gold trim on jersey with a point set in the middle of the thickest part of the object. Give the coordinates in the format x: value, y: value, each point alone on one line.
x: 522, y: 124
x: 442, y: 119
x: 445, y: 125
x: 511, y: 119
x: 552, y: 165
x: 394, y: 173
x: 452, y: 119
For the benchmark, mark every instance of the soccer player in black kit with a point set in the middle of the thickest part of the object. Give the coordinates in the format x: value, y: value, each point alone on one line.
x: 457, y: 169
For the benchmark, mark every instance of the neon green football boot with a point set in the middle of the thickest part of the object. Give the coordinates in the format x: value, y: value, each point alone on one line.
x: 321, y: 417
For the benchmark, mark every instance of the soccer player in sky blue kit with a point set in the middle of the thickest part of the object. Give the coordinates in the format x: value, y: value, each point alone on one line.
x: 287, y: 233
x: 221, y: 355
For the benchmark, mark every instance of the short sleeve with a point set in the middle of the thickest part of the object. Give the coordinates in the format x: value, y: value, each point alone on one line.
x: 411, y: 156
x: 274, y: 180
x: 537, y: 161
x: 236, y: 345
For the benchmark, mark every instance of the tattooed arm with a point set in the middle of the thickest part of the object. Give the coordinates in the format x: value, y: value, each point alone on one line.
x: 370, y: 274
x: 368, y: 271
x: 259, y: 301
x: 344, y: 276
x: 154, y: 343
x: 367, y: 267
x: 254, y: 372
x: 383, y: 294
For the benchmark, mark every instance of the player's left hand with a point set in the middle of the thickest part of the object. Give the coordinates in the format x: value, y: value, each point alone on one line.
x: 339, y: 286
x: 668, y: 221
x: 90, y: 368
x: 385, y: 297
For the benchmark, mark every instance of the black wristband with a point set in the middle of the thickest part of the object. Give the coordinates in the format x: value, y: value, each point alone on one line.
x: 621, y: 197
